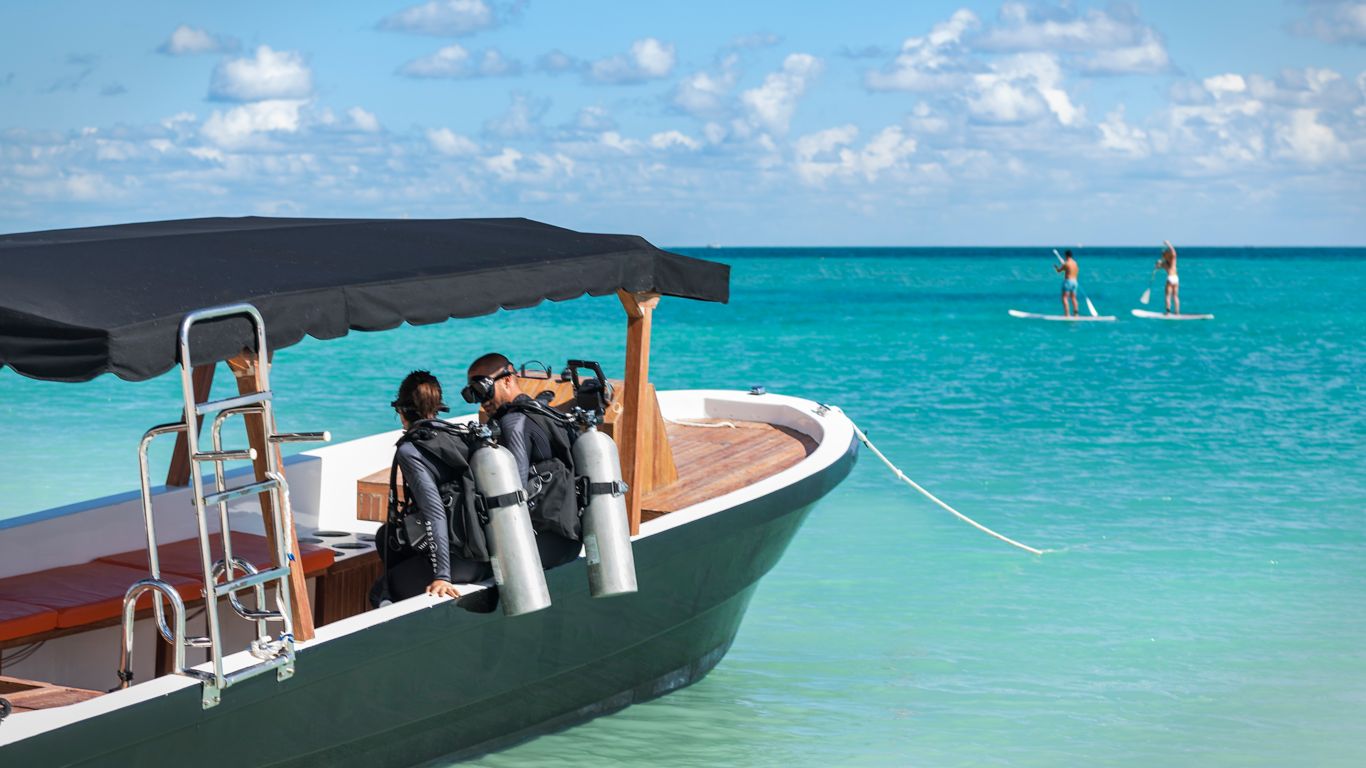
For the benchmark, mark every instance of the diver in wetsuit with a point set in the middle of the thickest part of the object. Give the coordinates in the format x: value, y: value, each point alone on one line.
x: 435, y: 567
x: 542, y: 457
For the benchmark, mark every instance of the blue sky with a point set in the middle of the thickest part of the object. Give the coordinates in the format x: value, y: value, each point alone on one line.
x: 756, y: 123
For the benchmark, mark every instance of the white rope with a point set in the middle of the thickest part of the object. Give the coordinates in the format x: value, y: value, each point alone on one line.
x: 699, y: 423
x: 902, y: 476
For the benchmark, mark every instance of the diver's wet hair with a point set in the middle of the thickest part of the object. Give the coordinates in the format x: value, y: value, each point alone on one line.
x: 419, y: 396
x: 488, y: 365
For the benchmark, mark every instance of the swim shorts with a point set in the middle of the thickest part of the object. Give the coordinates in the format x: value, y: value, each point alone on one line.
x: 1069, y: 286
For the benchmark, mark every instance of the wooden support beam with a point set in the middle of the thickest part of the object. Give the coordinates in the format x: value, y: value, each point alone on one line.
x: 179, y: 473
x: 633, y: 431
x: 248, y: 382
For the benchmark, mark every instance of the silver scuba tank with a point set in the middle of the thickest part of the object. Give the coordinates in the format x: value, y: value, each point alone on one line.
x: 606, y: 529
x: 512, y: 544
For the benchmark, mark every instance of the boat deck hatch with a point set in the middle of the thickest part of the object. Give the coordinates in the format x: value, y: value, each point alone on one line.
x: 722, y: 457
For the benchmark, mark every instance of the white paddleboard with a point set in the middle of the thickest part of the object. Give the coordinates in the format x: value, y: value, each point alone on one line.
x: 1148, y: 315
x: 1062, y: 318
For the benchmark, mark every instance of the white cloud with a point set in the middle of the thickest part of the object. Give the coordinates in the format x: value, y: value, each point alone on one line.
x: 512, y: 166
x: 454, y: 62
x: 1022, y: 88
x: 239, y: 126
x: 1307, y: 140
x: 556, y: 62
x: 772, y: 104
x: 934, y: 62
x: 269, y: 74
x: 705, y: 94
x: 674, y: 139
x: 1118, y: 136
x: 1333, y: 21
x: 1111, y: 41
x: 649, y: 59
x: 448, y: 142
x: 521, y: 120
x: 829, y: 154
x: 443, y: 18
x: 186, y: 40
x: 363, y: 120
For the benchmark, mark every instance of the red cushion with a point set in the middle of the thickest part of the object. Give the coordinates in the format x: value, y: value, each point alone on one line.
x: 22, y: 619
x: 182, y: 557
x: 86, y: 593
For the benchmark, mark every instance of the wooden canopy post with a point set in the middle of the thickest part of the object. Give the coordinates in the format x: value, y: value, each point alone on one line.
x: 179, y: 473
x: 632, y: 433
x: 248, y: 382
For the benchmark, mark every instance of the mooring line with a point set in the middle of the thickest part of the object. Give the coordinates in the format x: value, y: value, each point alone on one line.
x: 902, y: 476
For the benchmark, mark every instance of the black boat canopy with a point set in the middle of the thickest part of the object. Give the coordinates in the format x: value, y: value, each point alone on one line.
x: 76, y: 303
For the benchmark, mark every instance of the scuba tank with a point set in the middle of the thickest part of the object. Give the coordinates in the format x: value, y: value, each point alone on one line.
x: 606, y: 531
x: 601, y: 492
x: 512, y: 544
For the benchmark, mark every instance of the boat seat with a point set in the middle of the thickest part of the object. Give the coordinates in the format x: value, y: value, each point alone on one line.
x: 83, y: 594
x: 22, y: 619
x: 182, y: 557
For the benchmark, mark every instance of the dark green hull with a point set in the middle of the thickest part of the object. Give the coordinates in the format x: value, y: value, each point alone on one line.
x: 447, y: 681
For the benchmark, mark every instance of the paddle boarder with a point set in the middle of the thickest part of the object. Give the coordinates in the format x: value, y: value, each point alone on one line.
x: 1070, y: 270
x: 1167, y: 263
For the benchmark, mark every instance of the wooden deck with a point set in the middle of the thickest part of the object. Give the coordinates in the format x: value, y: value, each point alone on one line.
x: 717, y: 460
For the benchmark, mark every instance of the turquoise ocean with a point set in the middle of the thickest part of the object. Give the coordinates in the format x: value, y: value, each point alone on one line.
x: 1200, y: 487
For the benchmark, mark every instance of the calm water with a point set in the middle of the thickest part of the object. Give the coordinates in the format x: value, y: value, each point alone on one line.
x: 1202, y: 484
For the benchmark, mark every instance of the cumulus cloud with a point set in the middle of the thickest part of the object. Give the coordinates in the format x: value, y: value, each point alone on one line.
x: 706, y: 94
x: 1111, y: 41
x: 771, y: 105
x: 674, y: 140
x: 363, y: 120
x: 1305, y: 139
x: 455, y: 62
x: 186, y: 41
x: 935, y: 62
x: 557, y: 62
x: 512, y: 165
x: 446, y: 18
x: 240, y: 126
x: 648, y: 59
x: 450, y: 143
x: 268, y: 74
x: 829, y: 154
x: 1022, y: 88
x: 1118, y: 136
x: 521, y: 120
x: 1333, y: 21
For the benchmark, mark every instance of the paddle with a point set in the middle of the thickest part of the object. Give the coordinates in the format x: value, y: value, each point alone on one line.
x: 1148, y: 294
x: 1089, y: 306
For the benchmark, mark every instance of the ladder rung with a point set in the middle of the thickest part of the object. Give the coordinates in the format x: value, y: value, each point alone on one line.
x: 232, y: 402
x: 247, y: 455
x: 250, y: 580
x: 246, y: 673
x: 302, y: 437
x: 251, y: 614
x: 237, y: 493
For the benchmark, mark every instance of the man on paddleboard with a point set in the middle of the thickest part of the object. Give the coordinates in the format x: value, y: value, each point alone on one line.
x: 1070, y: 271
x: 1167, y: 262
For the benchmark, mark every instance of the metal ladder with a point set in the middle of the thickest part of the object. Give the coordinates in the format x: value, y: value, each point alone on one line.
x: 220, y: 576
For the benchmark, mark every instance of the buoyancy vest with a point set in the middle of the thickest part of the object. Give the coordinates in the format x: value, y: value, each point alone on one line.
x: 445, y: 446
x: 551, y: 496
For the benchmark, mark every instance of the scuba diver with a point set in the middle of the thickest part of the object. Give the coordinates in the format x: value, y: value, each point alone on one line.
x: 541, y: 442
x: 422, y: 548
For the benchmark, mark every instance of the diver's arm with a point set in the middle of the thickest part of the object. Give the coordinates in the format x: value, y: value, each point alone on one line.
x: 428, y: 501
x: 513, y: 425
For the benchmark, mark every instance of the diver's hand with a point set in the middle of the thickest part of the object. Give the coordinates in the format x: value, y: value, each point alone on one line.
x: 442, y: 588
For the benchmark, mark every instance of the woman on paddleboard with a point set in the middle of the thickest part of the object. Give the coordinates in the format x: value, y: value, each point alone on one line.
x: 1167, y: 262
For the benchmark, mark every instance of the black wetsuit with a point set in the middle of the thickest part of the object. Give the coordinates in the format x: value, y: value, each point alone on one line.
x: 530, y: 446
x: 408, y: 572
